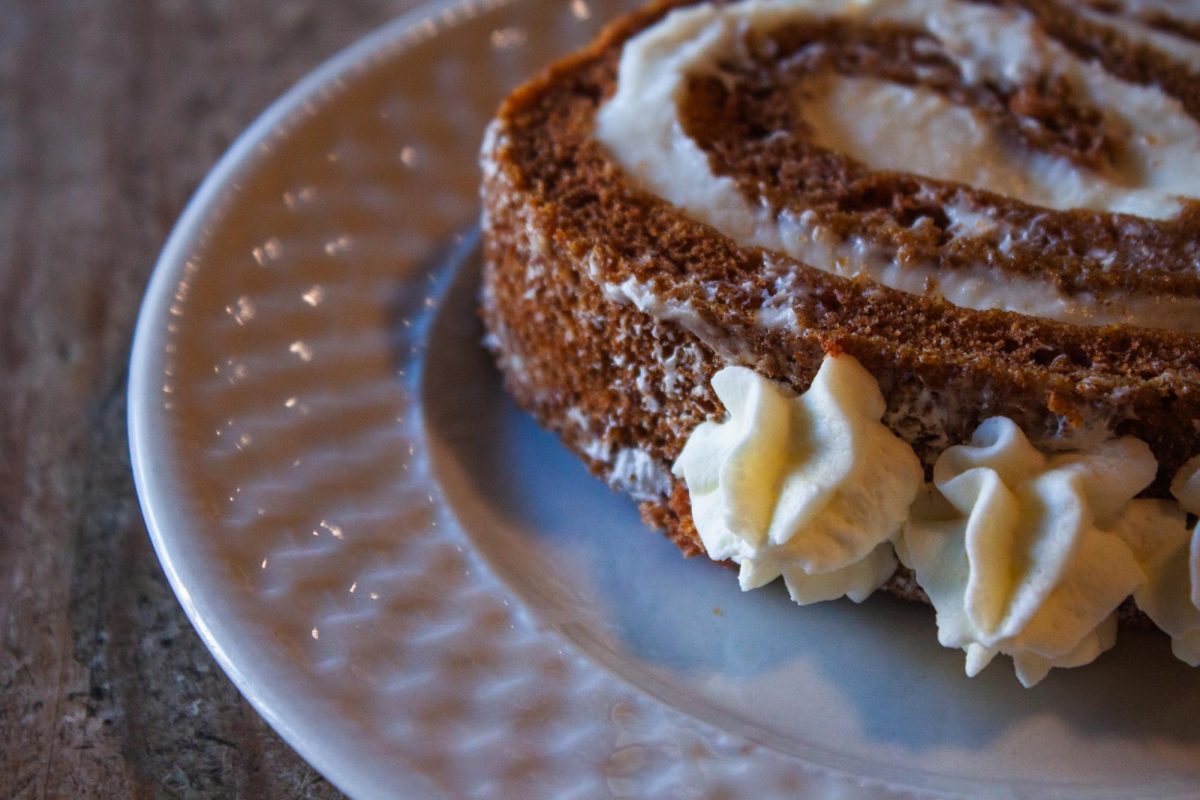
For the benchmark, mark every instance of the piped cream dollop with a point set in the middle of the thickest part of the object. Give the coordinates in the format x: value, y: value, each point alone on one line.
x: 1027, y: 554
x: 1170, y: 555
x: 813, y: 488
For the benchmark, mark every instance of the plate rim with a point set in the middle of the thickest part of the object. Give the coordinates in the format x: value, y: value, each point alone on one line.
x: 146, y: 422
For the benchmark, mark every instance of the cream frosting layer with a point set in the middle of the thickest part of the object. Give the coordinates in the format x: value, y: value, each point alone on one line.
x: 1130, y: 18
x: 893, y: 127
x: 640, y: 126
x: 1027, y: 554
x: 811, y: 488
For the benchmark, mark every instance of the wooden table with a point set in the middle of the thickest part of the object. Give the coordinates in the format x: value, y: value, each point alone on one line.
x: 111, y: 112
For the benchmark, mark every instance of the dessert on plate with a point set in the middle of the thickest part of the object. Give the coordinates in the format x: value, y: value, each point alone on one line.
x: 877, y: 294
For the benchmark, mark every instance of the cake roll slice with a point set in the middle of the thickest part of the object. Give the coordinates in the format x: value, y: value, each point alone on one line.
x: 988, y: 210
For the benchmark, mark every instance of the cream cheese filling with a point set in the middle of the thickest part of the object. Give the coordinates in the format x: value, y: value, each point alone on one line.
x: 892, y: 126
x: 1129, y: 24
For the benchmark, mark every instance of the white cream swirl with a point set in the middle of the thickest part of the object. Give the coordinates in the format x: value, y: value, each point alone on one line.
x: 889, y: 125
x: 812, y: 488
x: 1026, y: 554
x: 1170, y: 555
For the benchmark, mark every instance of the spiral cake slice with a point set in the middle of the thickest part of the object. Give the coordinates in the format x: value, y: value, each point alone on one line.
x: 989, y: 209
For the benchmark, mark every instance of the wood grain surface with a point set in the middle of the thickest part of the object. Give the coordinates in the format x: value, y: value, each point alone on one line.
x: 111, y: 112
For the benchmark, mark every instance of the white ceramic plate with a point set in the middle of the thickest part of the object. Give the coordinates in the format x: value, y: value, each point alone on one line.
x: 427, y: 596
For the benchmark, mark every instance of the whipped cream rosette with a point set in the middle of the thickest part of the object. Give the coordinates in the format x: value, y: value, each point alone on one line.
x: 812, y: 488
x: 1027, y: 554
x: 1169, y: 553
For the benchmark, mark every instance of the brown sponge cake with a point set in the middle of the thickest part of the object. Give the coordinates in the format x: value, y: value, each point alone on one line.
x: 609, y: 308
